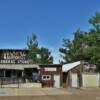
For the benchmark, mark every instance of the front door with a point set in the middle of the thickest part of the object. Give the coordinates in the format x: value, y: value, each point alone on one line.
x: 57, y: 81
x: 75, y: 80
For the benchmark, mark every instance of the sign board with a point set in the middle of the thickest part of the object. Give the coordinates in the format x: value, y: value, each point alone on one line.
x: 50, y: 69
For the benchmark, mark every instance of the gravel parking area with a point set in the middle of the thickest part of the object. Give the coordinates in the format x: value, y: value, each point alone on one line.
x: 56, y: 94
x: 32, y: 92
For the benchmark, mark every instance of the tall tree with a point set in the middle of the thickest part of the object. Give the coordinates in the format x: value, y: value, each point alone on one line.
x: 85, y: 45
x: 45, y: 56
x: 32, y: 45
x: 95, y: 21
x: 36, y: 54
x: 72, y: 50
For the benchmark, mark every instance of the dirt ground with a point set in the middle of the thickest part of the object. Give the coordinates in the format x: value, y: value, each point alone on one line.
x: 73, y: 94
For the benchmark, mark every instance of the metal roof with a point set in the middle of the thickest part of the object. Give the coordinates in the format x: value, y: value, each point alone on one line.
x: 18, y: 66
x: 70, y: 66
x: 13, y: 49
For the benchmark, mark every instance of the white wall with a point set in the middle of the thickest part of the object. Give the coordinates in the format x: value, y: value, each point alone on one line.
x: 90, y: 80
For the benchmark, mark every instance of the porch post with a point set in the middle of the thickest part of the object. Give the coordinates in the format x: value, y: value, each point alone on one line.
x: 70, y: 79
x: 22, y: 73
x: 12, y: 73
x: 4, y: 73
x: 81, y: 70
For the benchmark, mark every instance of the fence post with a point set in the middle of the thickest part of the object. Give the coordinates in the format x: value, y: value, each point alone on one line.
x: 1, y: 82
x: 99, y: 79
x: 18, y: 82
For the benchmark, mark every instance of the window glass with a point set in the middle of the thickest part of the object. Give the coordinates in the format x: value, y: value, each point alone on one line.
x: 46, y: 77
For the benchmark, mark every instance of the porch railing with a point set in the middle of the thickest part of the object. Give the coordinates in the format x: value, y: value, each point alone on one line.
x: 7, y: 81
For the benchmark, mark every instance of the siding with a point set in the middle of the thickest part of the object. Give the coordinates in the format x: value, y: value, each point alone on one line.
x: 90, y: 80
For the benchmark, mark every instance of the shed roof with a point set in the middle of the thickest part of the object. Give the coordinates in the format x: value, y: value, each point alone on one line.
x: 70, y: 66
x: 18, y: 66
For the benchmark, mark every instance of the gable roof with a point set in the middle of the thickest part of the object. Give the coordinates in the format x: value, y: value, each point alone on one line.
x: 67, y: 67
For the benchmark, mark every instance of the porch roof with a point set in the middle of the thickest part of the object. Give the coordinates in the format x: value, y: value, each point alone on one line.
x: 18, y: 66
x: 70, y: 66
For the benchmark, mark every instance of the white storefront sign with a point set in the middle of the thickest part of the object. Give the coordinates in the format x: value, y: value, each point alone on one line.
x: 50, y: 69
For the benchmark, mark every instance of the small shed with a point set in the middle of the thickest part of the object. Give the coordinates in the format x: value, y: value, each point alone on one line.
x: 51, y: 75
x: 80, y: 74
x: 72, y: 74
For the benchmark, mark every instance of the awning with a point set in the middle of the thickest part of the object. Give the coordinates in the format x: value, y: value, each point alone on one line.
x: 18, y: 66
x: 70, y: 66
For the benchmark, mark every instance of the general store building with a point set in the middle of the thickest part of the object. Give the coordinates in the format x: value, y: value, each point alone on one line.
x: 15, y: 65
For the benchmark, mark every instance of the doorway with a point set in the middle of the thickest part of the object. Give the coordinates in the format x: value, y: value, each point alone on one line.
x: 57, y: 81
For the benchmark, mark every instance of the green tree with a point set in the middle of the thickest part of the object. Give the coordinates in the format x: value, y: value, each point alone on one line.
x: 36, y: 54
x: 95, y: 21
x: 72, y: 50
x: 45, y: 56
x: 85, y: 45
x: 32, y: 45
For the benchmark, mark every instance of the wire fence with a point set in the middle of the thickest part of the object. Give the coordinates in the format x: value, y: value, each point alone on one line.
x: 10, y: 82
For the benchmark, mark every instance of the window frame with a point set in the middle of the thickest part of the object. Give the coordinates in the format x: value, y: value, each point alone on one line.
x: 47, y: 77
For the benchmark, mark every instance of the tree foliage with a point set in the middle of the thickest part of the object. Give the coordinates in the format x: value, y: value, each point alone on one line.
x: 85, y: 45
x: 32, y: 45
x: 36, y: 54
x: 45, y: 55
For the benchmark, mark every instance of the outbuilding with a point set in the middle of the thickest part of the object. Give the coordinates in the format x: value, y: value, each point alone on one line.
x: 51, y: 75
x: 72, y: 75
x: 80, y: 74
